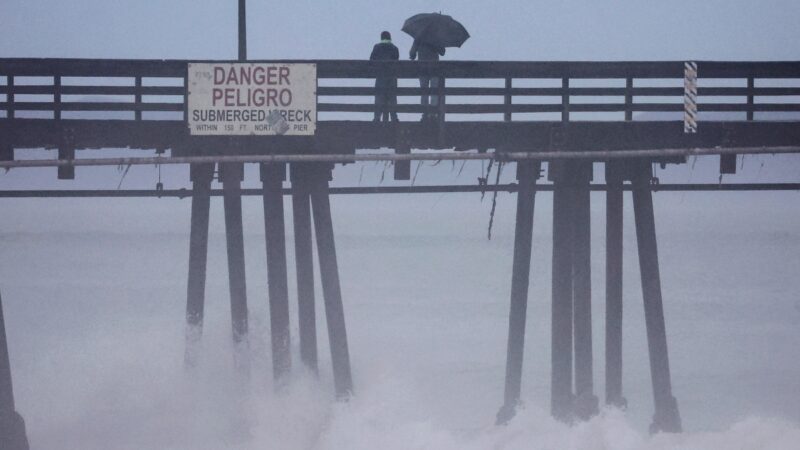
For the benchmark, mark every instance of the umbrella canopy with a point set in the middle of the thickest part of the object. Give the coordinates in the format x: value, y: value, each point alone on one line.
x: 436, y: 29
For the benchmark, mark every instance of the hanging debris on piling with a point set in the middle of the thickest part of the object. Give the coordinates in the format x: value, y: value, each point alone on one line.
x: 494, y: 199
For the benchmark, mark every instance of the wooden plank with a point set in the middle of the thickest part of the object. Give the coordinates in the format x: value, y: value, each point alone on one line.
x: 573, y: 91
x: 334, y: 136
x: 499, y: 69
x: 96, y: 90
x: 496, y: 91
x: 97, y: 106
x: 744, y: 91
x: 414, y: 108
x: 411, y: 91
x: 741, y: 107
x: 757, y: 69
x: 411, y: 69
x: 501, y: 108
x: 91, y: 67
x: 365, y: 107
x: 383, y: 190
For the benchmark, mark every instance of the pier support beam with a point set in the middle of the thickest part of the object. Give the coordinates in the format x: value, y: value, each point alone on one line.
x: 232, y: 175
x: 304, y: 263
x: 561, y: 402
x: 527, y: 174
x: 614, y: 203
x: 402, y: 169
x: 586, y: 403
x: 272, y: 177
x: 666, y: 417
x: 201, y: 176
x: 331, y: 289
x: 12, y: 426
x: 68, y: 172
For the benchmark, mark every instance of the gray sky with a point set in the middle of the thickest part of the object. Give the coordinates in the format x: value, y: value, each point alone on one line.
x: 306, y: 29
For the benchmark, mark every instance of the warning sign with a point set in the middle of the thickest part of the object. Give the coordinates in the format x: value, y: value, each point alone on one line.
x: 252, y: 98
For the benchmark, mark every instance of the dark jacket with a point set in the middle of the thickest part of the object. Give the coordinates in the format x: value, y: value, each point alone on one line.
x: 385, y: 51
x: 425, y: 52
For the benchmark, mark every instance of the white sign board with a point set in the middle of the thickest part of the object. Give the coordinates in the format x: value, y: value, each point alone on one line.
x: 252, y: 99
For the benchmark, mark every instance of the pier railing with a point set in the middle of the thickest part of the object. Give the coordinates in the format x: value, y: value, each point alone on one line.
x: 142, y: 90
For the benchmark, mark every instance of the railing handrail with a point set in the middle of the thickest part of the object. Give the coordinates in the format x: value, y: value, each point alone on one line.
x: 67, y: 67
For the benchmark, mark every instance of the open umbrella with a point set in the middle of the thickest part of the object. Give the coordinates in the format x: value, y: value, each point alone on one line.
x: 436, y: 29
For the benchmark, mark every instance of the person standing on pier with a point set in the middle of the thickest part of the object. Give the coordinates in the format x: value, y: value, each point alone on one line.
x: 385, y: 86
x: 433, y: 33
x: 424, y: 51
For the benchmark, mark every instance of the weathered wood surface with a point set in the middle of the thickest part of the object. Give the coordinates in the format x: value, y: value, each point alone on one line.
x: 143, y: 103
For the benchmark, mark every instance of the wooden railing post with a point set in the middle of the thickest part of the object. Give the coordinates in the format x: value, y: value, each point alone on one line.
x: 186, y: 93
x: 441, y: 108
x: 138, y: 99
x: 441, y: 99
x: 57, y: 97
x: 507, y: 101
x: 629, y: 98
x: 10, y: 97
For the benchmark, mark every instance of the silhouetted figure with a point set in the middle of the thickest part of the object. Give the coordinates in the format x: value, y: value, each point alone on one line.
x: 386, y: 86
x: 427, y: 52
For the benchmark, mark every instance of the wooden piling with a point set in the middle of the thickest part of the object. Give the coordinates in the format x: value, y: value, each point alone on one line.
x: 527, y: 174
x: 666, y: 417
x: 586, y: 403
x: 232, y: 175
x: 331, y: 289
x: 272, y: 176
x: 561, y: 367
x: 201, y: 176
x: 12, y: 426
x: 614, y: 204
x: 304, y: 263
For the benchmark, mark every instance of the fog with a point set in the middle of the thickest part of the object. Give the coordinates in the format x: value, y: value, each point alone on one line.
x: 94, y: 293
x: 94, y: 290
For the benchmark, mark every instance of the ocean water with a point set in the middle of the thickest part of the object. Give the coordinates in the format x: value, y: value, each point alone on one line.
x: 94, y: 297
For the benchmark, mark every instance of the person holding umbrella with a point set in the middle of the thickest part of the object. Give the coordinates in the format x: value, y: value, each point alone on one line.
x: 432, y: 33
x: 427, y: 52
x: 385, y: 87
